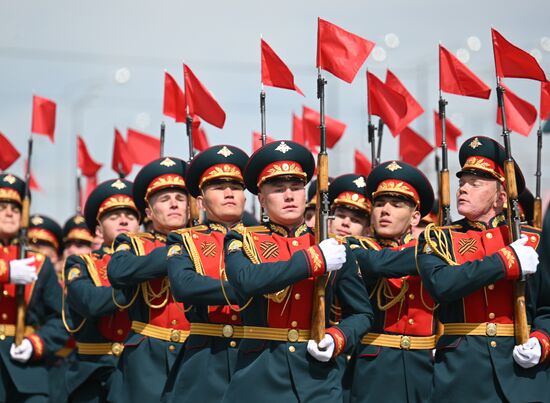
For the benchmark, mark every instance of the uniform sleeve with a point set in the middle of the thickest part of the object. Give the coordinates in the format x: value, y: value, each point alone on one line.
x: 83, y: 296
x: 187, y: 285
x: 126, y: 269
x: 386, y: 262
x: 251, y: 279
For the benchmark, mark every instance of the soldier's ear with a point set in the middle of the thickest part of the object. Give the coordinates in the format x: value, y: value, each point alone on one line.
x: 200, y: 202
x: 415, y: 218
x: 149, y: 213
x: 261, y: 198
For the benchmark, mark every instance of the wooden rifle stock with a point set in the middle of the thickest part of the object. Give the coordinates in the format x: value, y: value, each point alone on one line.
x: 20, y: 288
x: 537, y: 213
x: 444, y: 198
x: 193, y: 211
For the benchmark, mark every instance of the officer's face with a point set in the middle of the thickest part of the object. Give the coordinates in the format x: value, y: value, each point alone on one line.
x: 168, y: 210
x: 392, y: 217
x: 348, y: 222
x: 49, y: 251
x: 116, y: 222
x: 223, y: 202
x: 479, y: 199
x: 10, y: 220
x: 76, y: 248
x: 284, y: 201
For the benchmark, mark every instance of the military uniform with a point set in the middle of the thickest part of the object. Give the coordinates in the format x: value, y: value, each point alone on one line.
x: 272, y: 270
x: 469, y: 269
x: 98, y: 320
x: 197, y: 278
x: 44, y: 329
x: 138, y: 267
x: 399, y: 345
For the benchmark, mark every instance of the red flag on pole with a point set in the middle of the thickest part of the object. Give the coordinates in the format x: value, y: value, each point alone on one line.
x: 91, y: 184
x: 9, y: 153
x: 414, y: 109
x: 257, y: 140
x: 275, y: 72
x: 33, y: 183
x: 451, y: 132
x: 143, y: 148
x: 200, y: 141
x: 43, y: 116
x: 385, y: 102
x: 362, y: 165
x: 298, y: 130
x: 339, y: 51
x: 174, y: 99
x: 200, y: 101
x: 456, y: 78
x: 413, y: 148
x: 122, y: 159
x: 310, y: 123
x: 511, y: 61
x: 86, y: 164
x: 520, y: 114
x: 544, y: 100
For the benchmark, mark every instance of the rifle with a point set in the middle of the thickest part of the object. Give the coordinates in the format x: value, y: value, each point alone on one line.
x: 263, y: 216
x: 380, y: 133
x: 444, y: 185
x: 537, y: 206
x: 521, y: 329
x: 372, y: 142
x: 193, y: 208
x: 162, y: 130
x: 318, y: 322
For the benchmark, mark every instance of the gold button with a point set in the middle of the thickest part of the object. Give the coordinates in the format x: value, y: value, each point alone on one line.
x: 491, y: 286
x: 411, y: 321
x: 293, y: 335
x: 295, y: 243
x: 294, y: 323
x: 491, y: 315
x: 171, y: 347
x: 533, y: 238
x: 174, y: 322
x: 116, y: 349
x: 2, y: 337
x: 493, y: 343
x: 411, y: 296
x: 297, y: 296
x: 292, y: 349
x: 233, y: 317
x: 175, y: 336
x: 227, y: 331
x: 491, y: 329
x: 233, y: 344
x: 4, y: 316
x: 5, y: 292
x: 119, y: 331
x: 195, y: 236
x: 489, y: 235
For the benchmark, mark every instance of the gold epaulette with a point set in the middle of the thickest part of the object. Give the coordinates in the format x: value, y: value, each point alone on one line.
x: 438, y: 243
x: 134, y: 235
x: 197, y: 228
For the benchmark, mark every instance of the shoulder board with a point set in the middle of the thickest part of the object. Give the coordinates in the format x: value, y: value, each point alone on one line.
x: 140, y: 235
x: 197, y: 228
x: 257, y: 228
x: 451, y: 227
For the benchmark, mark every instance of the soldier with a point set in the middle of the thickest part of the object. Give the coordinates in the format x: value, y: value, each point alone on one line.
x: 99, y: 321
x: 349, y: 206
x: 311, y: 203
x: 401, y: 340
x: 138, y: 266
x: 197, y: 277
x: 469, y: 268
x: 77, y: 238
x: 45, y: 236
x: 272, y: 270
x: 24, y: 375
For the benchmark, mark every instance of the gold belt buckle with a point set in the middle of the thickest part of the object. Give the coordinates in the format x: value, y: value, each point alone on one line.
x: 227, y: 331
x: 491, y: 329
x: 116, y: 349
x: 405, y: 342
x: 2, y: 332
x: 293, y: 335
x: 175, y: 336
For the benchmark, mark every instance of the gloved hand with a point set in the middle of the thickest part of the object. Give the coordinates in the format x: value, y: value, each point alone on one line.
x: 528, y: 257
x: 22, y: 271
x: 22, y: 352
x: 334, y: 253
x: 527, y: 355
x: 322, y: 351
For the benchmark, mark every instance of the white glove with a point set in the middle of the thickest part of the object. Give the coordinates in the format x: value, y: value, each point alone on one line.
x: 22, y: 271
x: 22, y: 352
x: 334, y: 253
x: 322, y: 351
x: 528, y: 257
x: 527, y: 355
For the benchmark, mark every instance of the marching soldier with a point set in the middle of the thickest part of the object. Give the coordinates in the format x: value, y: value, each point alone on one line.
x: 77, y: 238
x: 99, y: 321
x: 272, y: 270
x: 159, y: 327
x: 23, y: 371
x: 45, y: 236
x: 349, y: 206
x: 469, y: 268
x: 197, y: 277
x: 401, y: 340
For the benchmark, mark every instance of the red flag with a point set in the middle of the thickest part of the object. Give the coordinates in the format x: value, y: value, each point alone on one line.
x: 456, y: 78
x: 174, y: 99
x: 200, y: 141
x: 200, y: 101
x: 451, y: 132
x: 91, y: 184
x: 511, y: 61
x: 544, y: 100
x: 520, y: 114
x: 414, y: 109
x: 413, y: 148
x: 387, y: 103
x: 362, y: 165
x: 275, y: 72
x: 298, y: 130
x: 310, y: 121
x: 339, y: 51
x: 43, y: 116
x: 122, y: 159
x: 33, y: 183
x: 257, y: 140
x: 86, y: 164
x: 9, y: 153
x: 143, y: 148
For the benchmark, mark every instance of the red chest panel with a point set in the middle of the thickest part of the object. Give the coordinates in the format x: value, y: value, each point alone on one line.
x: 295, y: 309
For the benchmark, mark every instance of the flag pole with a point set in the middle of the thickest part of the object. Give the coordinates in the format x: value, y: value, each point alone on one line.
x: 380, y: 133
x: 371, y: 129
x: 193, y: 208
x: 537, y: 205
x: 262, y: 114
x: 444, y: 181
x: 162, y: 130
